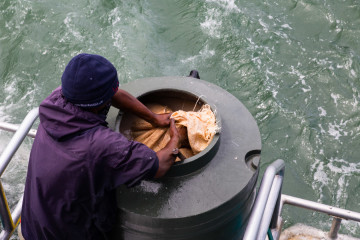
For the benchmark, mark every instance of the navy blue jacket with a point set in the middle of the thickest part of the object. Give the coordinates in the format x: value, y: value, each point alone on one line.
x: 75, y: 165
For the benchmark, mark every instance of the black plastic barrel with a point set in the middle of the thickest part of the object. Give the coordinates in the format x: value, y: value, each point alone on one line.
x: 208, y: 196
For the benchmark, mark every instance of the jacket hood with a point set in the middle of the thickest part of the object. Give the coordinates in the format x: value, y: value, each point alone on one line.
x: 62, y: 119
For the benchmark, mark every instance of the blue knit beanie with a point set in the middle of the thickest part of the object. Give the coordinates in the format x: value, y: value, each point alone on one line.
x: 89, y: 80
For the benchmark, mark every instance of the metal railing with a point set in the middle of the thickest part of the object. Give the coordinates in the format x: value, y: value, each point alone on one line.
x: 14, y: 127
x: 337, y: 213
x: 266, y: 212
x: 11, y: 219
x: 267, y: 202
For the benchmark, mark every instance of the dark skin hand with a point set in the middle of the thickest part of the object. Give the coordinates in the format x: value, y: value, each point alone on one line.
x: 165, y: 155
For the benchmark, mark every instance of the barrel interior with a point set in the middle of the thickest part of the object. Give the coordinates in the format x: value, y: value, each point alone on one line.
x: 175, y: 100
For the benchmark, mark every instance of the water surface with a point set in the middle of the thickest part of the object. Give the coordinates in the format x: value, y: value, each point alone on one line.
x: 294, y: 64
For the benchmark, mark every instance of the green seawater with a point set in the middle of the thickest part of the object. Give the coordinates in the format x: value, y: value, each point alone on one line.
x: 294, y: 64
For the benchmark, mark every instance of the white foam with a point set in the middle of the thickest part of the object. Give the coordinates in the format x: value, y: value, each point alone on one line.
x: 10, y: 87
x: 341, y: 192
x: 114, y: 16
x: 337, y: 129
x: 335, y: 97
x: 322, y: 112
x: 334, y: 131
x: 335, y: 176
x: 212, y: 23
x: 118, y: 41
x: 321, y: 129
x: 227, y: 4
x: 271, y: 79
x: 286, y: 26
x: 320, y: 177
x: 264, y: 25
x: 320, y: 174
x: 274, y: 92
x: 353, y: 73
x: 10, y: 91
x: 204, y: 54
x: 351, y: 226
x: 355, y: 103
x: 68, y: 21
x: 301, y: 78
x: 306, y: 90
x: 29, y: 97
x: 348, y: 64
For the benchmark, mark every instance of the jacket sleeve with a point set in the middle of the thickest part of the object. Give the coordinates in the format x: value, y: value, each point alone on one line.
x: 128, y: 162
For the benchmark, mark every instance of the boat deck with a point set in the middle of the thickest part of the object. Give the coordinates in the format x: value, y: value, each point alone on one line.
x: 304, y: 232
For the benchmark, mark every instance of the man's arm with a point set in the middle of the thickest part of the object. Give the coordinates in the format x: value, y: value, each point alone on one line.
x: 125, y: 101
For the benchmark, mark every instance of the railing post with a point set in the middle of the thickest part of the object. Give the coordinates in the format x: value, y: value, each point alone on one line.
x: 10, y: 220
x: 274, y: 218
x: 267, y: 197
x: 17, y: 139
x: 335, y: 228
x: 7, y: 222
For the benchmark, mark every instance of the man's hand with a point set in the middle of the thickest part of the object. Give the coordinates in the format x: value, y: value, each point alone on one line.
x: 174, y: 133
x: 165, y: 155
x: 162, y: 120
x: 179, y: 133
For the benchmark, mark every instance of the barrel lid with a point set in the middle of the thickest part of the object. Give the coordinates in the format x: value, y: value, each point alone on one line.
x: 227, y: 176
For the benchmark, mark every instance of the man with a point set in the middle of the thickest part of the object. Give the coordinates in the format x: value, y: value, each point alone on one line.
x: 77, y: 162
